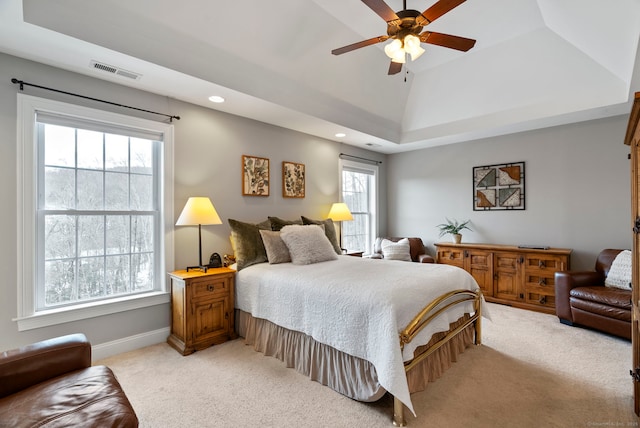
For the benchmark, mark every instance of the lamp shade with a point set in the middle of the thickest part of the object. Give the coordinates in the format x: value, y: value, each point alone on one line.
x: 340, y: 212
x: 198, y: 210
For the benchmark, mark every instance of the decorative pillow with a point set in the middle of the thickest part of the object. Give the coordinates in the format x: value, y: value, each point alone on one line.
x: 329, y: 230
x: 307, y: 244
x: 277, y: 251
x: 396, y: 250
x: 249, y: 249
x: 620, y: 273
x: 277, y: 223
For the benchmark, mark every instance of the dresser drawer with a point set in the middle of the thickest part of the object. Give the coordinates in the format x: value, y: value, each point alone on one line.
x: 209, y: 286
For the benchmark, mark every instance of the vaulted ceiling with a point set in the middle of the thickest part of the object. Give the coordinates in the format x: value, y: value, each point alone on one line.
x: 536, y: 63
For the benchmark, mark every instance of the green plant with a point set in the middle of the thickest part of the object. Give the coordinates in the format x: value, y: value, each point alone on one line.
x: 453, y: 227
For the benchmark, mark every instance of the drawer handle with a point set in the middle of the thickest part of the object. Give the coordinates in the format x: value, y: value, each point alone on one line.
x: 451, y: 256
x: 543, y: 300
x: 541, y: 264
x: 542, y: 281
x: 210, y: 287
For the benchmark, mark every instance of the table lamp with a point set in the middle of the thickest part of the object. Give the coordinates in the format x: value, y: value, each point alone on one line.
x: 340, y: 212
x: 198, y: 211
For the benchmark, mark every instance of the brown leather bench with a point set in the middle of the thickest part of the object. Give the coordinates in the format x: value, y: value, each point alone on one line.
x: 52, y: 383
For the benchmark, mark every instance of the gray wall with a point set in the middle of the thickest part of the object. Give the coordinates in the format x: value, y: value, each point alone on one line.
x: 208, y: 150
x: 577, y: 189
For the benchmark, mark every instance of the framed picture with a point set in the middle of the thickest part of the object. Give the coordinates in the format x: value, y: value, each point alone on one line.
x: 498, y: 187
x: 293, y: 180
x: 255, y: 176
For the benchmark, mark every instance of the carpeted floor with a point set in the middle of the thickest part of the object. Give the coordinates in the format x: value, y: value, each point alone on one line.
x: 531, y: 371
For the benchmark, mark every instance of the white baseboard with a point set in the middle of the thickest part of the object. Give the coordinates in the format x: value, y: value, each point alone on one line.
x: 130, y: 343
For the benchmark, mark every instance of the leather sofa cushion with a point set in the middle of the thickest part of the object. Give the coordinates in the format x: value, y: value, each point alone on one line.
x: 600, y: 309
x: 608, y: 296
x: 90, y: 397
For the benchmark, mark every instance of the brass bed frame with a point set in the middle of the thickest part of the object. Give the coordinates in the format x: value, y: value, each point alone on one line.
x: 419, y: 322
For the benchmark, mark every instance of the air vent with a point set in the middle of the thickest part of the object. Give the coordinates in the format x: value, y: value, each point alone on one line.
x: 115, y: 70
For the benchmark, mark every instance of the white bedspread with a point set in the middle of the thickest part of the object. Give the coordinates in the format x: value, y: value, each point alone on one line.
x: 355, y: 305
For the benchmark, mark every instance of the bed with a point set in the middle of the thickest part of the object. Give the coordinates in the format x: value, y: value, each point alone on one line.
x: 360, y: 326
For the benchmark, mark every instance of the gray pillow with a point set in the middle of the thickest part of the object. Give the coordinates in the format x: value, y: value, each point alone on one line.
x: 248, y: 243
x: 307, y: 244
x: 277, y: 251
x: 329, y: 230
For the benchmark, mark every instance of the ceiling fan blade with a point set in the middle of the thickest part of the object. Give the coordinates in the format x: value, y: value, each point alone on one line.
x: 382, y: 9
x: 437, y: 10
x: 394, y: 68
x: 447, y: 41
x: 359, y: 45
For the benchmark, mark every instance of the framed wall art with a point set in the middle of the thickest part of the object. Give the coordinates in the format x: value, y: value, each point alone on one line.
x: 498, y: 187
x: 293, y: 180
x: 255, y: 176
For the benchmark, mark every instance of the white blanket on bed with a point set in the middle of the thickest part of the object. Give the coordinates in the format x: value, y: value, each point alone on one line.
x: 355, y: 305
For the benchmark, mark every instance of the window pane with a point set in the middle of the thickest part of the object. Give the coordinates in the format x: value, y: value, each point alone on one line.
x: 117, y: 275
x: 118, y: 234
x: 142, y: 270
x: 59, y: 188
x: 90, y: 154
x: 116, y: 189
x: 59, y: 237
x: 141, y: 192
x: 59, y: 281
x: 117, y: 153
x: 141, y: 234
x: 141, y: 156
x: 90, y: 278
x: 90, y: 190
x: 91, y: 233
x: 60, y: 147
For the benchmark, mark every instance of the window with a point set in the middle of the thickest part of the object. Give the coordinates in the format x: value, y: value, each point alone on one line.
x: 93, y: 206
x: 359, y: 192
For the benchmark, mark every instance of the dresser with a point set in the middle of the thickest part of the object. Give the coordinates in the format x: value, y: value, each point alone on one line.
x: 520, y: 277
x: 202, y: 309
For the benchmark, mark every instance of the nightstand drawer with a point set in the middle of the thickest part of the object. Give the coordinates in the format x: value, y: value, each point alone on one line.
x: 204, y: 287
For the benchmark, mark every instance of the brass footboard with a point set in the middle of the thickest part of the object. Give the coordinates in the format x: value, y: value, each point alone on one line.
x: 426, y: 315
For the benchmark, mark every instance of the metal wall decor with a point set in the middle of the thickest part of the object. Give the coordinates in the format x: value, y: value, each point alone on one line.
x: 498, y: 187
x: 255, y: 176
x: 293, y: 180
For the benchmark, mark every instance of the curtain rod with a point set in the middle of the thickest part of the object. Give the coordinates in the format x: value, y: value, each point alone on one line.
x: 22, y: 84
x: 358, y: 157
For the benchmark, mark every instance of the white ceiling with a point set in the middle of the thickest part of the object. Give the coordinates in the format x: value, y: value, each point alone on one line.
x: 536, y: 63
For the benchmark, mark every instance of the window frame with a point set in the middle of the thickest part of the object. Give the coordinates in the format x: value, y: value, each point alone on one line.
x: 27, y: 186
x: 373, y: 170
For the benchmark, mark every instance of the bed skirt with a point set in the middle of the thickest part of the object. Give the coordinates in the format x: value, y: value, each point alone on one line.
x: 351, y: 376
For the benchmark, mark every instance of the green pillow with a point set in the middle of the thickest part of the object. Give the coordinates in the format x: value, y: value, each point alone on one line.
x: 278, y: 223
x: 249, y: 247
x: 329, y: 230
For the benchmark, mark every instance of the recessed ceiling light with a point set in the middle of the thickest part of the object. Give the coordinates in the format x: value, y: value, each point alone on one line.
x: 341, y: 134
x: 216, y: 99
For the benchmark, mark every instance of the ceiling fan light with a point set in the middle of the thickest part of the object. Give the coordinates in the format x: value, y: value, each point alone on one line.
x: 416, y: 52
x: 399, y: 57
x: 394, y: 48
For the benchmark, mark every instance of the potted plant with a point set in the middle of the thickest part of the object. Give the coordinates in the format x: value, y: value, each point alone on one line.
x: 453, y: 227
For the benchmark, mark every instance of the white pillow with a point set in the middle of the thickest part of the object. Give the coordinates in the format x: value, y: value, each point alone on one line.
x: 277, y: 251
x: 396, y: 250
x: 307, y: 244
x: 620, y: 273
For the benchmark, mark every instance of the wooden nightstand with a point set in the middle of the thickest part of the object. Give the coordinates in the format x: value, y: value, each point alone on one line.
x: 202, y: 309
x: 356, y: 253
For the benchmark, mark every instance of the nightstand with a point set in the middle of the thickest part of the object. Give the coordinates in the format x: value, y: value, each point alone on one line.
x: 356, y: 254
x: 202, y: 309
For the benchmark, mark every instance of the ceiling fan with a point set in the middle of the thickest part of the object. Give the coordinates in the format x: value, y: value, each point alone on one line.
x: 404, y: 29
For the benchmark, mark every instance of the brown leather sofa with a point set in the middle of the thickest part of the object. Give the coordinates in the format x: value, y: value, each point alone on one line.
x: 416, y: 249
x: 582, y: 299
x: 52, y: 384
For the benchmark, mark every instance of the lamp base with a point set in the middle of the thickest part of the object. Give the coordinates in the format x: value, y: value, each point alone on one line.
x: 203, y: 268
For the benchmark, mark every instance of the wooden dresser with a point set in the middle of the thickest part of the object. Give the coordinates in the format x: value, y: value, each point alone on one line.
x: 202, y: 309
x: 520, y: 277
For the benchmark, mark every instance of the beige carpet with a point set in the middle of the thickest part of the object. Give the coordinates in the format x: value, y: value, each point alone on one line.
x: 531, y: 371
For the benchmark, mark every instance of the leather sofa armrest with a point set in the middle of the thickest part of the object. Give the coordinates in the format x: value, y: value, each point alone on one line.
x: 425, y: 258
x: 29, y: 365
x: 568, y: 280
